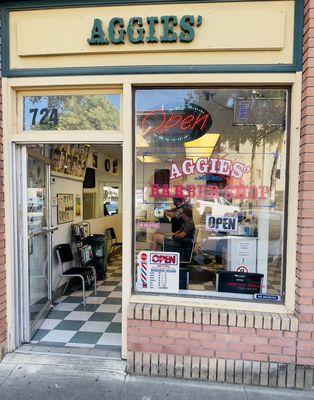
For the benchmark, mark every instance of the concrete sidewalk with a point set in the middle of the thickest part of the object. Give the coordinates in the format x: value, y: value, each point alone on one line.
x: 58, y: 377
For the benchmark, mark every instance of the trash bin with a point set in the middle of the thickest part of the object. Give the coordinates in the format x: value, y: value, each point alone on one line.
x: 99, y: 248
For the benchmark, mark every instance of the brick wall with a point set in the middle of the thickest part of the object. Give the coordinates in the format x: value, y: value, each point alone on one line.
x: 2, y: 241
x: 214, y: 333
x: 215, y: 344
x: 305, y: 255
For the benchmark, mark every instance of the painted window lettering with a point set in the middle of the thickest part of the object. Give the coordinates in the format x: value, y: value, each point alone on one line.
x: 204, y: 192
x: 209, y: 166
x: 44, y: 116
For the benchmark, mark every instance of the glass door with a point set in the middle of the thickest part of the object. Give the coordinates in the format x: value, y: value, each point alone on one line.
x: 38, y: 223
x: 34, y: 236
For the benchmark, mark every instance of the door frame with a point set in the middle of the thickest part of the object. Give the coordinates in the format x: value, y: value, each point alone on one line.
x: 12, y: 134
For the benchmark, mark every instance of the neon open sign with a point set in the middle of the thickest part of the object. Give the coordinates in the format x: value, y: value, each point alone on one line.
x: 177, y: 125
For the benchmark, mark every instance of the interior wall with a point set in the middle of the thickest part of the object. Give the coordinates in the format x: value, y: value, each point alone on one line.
x: 98, y: 225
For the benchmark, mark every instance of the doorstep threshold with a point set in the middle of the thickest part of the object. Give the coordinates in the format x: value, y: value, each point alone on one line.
x: 76, y: 357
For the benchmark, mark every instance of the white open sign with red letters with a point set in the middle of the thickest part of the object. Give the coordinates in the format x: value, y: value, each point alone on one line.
x: 158, y: 272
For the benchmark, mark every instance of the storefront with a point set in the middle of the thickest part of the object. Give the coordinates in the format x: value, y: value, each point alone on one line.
x: 209, y: 123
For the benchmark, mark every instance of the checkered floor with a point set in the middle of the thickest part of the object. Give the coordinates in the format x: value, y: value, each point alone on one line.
x: 97, y: 325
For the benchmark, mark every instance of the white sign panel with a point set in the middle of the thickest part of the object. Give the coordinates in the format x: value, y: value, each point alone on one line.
x: 242, y: 254
x: 158, y: 272
x: 221, y: 224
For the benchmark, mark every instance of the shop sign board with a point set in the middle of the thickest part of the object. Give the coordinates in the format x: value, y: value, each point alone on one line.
x: 221, y: 224
x: 158, y: 272
x: 135, y: 32
x: 140, y: 30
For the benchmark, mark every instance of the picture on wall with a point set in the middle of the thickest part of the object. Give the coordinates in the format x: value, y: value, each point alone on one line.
x: 65, y: 208
x: 69, y: 159
x: 77, y: 206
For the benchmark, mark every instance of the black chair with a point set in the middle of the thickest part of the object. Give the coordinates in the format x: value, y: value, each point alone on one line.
x: 113, y: 244
x: 185, y: 248
x: 65, y: 255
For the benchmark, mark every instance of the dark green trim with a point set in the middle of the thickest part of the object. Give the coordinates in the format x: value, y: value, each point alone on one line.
x: 33, y: 4
x: 172, y: 69
x: 4, y: 42
x: 298, y: 34
x: 153, y: 69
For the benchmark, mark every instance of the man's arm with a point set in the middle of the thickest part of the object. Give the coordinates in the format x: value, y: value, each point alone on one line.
x: 180, y: 235
x: 169, y: 213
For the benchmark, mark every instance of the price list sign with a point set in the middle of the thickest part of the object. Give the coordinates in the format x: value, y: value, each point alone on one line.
x: 158, y: 272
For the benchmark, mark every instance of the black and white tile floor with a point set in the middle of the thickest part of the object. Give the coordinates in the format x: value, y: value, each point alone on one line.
x: 97, y: 325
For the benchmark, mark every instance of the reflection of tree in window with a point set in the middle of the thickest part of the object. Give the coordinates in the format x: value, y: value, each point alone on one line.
x: 84, y: 112
x: 259, y: 136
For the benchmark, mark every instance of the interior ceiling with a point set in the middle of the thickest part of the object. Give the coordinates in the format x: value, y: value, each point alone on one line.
x: 112, y: 150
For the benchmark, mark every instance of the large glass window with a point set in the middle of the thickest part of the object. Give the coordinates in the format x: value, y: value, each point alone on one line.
x: 210, y: 191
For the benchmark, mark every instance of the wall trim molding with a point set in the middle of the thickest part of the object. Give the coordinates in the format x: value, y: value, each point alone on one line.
x: 213, y: 316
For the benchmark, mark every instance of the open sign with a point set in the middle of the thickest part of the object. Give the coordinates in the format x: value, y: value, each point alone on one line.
x: 181, y: 124
x: 221, y: 224
x: 166, y: 259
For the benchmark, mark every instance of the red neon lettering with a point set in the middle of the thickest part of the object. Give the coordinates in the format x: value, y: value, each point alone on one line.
x: 183, y: 121
x: 169, y: 124
x: 199, y: 119
x: 150, y: 128
x: 187, y: 122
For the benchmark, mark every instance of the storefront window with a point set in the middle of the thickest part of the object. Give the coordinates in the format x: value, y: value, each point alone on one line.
x: 72, y: 112
x: 210, y: 191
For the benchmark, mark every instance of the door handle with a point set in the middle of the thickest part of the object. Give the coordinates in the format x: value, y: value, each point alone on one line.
x: 30, y: 244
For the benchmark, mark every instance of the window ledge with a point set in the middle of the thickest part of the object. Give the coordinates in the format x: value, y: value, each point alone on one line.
x: 213, y: 316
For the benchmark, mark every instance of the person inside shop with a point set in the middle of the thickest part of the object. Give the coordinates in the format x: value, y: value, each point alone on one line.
x: 180, y: 237
x: 175, y: 215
